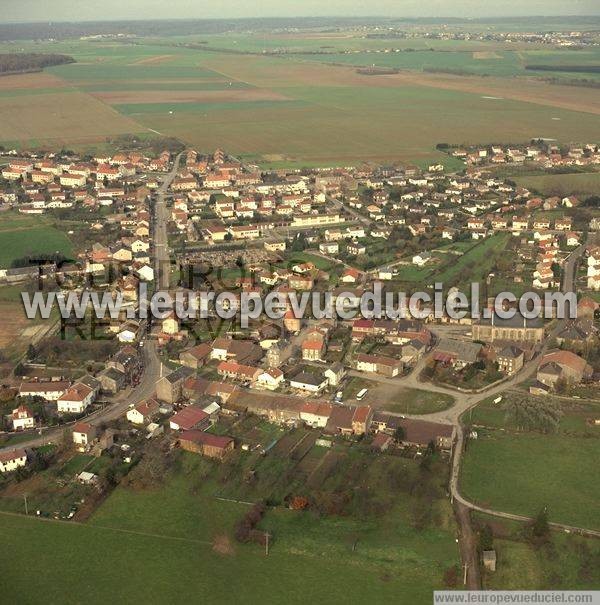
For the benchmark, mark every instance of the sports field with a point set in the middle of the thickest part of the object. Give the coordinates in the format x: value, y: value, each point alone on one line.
x: 292, y: 109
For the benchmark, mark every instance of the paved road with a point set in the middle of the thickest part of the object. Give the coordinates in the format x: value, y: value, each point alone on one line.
x: 119, y: 404
x: 162, y: 259
x: 151, y: 360
x: 357, y: 215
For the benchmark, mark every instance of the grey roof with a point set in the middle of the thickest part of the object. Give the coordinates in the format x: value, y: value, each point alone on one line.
x: 464, y: 351
x: 511, y: 352
x: 307, y: 378
x: 179, y: 374
x: 516, y: 321
x: 90, y: 381
x: 112, y: 373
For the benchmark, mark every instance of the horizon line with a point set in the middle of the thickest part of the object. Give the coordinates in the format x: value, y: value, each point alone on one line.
x: 298, y: 17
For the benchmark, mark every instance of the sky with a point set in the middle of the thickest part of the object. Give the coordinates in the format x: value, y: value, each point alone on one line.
x: 86, y: 10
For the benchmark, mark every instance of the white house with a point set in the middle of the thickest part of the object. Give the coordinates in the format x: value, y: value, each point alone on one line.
x: 50, y: 391
x: 385, y: 274
x: 335, y: 374
x: 421, y: 259
x: 146, y: 273
x: 315, y: 414
x: 311, y: 383
x: 76, y: 399
x: 270, y: 379
x: 12, y: 460
x: 22, y: 418
x: 143, y: 412
x: 83, y: 435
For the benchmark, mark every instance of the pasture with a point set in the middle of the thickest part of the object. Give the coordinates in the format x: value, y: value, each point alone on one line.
x: 566, y: 563
x: 15, y: 244
x: 162, y: 568
x: 541, y: 469
x: 183, y: 518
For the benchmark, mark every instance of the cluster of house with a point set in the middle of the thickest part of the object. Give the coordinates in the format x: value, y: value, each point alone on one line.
x: 75, y: 397
x: 38, y: 184
x: 545, y: 155
x: 403, y: 343
x: 200, y: 402
x: 241, y: 201
x: 70, y: 397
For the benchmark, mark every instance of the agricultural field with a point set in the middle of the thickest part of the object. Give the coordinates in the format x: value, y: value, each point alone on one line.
x: 542, y: 469
x: 287, y: 110
x: 16, y: 244
x: 41, y: 109
x: 16, y: 330
x: 474, y: 264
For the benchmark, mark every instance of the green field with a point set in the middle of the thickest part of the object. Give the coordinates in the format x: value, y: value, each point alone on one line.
x: 521, y: 472
x: 562, y: 184
x: 475, y: 264
x: 567, y: 562
x: 169, y: 534
x: 415, y: 401
x: 90, y: 563
x: 36, y: 240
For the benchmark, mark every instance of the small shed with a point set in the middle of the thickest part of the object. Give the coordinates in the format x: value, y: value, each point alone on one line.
x: 87, y: 478
x: 489, y: 560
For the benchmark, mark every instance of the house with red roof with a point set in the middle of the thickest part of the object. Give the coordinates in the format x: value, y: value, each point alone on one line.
x: 190, y: 417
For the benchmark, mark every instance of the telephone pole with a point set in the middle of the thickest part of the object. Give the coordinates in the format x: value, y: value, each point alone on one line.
x: 25, y: 500
x: 466, y: 567
x: 267, y: 536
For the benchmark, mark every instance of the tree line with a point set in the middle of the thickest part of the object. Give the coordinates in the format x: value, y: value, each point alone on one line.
x: 24, y: 62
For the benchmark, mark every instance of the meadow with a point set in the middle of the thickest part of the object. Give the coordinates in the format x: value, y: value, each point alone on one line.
x: 541, y: 469
x: 37, y: 240
x: 178, y: 539
x: 566, y: 562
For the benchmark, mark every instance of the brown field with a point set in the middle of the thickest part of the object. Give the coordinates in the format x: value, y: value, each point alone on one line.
x: 60, y: 117
x: 30, y: 81
x: 486, y: 54
x: 157, y: 60
x: 188, y: 96
x: 279, y: 73
x: 16, y: 333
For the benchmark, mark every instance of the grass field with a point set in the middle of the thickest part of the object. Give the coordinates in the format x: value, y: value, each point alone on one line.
x: 521, y: 472
x: 42, y: 240
x: 415, y: 401
x: 475, y: 264
x: 562, y: 184
x: 396, y: 399
x: 565, y: 563
x: 159, y: 568
x: 169, y: 534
